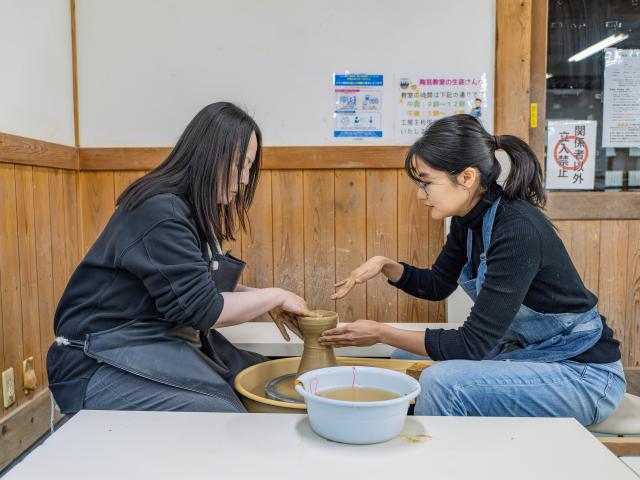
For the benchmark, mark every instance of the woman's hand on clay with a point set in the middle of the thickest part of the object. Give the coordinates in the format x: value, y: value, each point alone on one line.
x: 284, y: 320
x: 364, y: 272
x: 361, y: 333
x: 285, y: 315
x: 292, y: 303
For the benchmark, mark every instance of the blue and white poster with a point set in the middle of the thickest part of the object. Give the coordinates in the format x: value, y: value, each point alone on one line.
x: 357, y: 113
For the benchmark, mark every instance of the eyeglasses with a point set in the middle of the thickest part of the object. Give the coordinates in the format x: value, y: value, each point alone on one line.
x: 424, y: 186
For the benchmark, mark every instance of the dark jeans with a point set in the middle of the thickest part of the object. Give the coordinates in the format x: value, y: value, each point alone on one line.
x: 113, y: 389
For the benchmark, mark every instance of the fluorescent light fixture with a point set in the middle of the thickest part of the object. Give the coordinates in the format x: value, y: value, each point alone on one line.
x: 549, y: 75
x: 601, y: 45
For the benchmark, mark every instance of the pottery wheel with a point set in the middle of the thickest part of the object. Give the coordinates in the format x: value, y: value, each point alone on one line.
x: 282, y: 389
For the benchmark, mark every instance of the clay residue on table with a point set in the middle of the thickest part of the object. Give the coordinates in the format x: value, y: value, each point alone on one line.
x: 419, y: 438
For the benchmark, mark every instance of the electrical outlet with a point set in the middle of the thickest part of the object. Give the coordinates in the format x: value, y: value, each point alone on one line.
x: 8, y: 388
x: 29, y: 379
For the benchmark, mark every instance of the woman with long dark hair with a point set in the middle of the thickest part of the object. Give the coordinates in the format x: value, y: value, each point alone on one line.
x: 136, y: 326
x: 534, y: 343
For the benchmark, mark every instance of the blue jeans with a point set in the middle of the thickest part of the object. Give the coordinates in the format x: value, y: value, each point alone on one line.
x: 499, y: 388
x: 113, y: 389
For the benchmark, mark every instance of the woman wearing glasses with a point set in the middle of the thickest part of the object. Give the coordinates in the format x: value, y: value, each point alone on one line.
x: 534, y: 343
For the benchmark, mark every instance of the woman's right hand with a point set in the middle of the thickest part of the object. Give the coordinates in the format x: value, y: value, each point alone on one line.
x: 285, y: 315
x: 292, y: 303
x: 363, y: 273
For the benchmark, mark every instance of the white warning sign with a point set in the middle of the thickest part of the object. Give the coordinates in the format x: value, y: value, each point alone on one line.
x: 571, y: 154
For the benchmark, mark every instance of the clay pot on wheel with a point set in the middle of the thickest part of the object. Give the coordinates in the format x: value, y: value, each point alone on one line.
x: 315, y: 355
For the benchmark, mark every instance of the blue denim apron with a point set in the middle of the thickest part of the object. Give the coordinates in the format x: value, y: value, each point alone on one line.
x: 532, y: 336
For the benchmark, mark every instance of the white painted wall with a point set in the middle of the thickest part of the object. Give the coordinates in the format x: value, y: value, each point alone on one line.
x: 36, y: 87
x: 147, y: 66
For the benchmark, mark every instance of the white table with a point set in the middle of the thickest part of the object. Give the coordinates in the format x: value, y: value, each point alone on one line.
x: 264, y: 338
x: 137, y: 445
x: 633, y: 463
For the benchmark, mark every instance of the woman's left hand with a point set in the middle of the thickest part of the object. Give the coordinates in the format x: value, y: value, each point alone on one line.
x: 361, y: 333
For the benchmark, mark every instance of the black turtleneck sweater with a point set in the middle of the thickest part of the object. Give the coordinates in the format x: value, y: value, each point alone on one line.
x: 526, y: 264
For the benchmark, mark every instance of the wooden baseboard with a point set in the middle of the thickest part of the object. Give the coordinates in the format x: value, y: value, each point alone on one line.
x: 593, y: 205
x: 274, y: 158
x: 622, y: 446
x: 24, y: 426
x: 28, y: 151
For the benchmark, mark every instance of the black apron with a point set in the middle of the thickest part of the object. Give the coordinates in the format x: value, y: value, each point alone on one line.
x: 178, y: 355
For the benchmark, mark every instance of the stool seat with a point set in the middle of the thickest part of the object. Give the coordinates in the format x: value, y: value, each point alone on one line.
x: 625, y: 420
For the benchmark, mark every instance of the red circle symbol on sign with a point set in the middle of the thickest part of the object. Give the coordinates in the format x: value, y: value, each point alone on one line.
x: 578, y: 163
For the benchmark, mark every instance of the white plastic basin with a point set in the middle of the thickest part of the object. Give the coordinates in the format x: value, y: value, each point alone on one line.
x: 357, y: 422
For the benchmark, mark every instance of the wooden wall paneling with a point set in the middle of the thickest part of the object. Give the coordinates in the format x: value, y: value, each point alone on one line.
x: 538, y: 80
x: 351, y: 238
x: 582, y: 241
x: 614, y: 255
x: 334, y: 157
x: 10, y: 282
x: 382, y: 239
x: 123, y: 158
x: 585, y: 251
x: 72, y: 220
x: 28, y: 151
x: 564, y: 229
x: 513, y: 67
x: 593, y: 205
x: 44, y: 263
x: 2, y: 366
x: 274, y: 158
x: 58, y: 234
x: 288, y: 234
x: 97, y: 202
x: 25, y: 426
x: 257, y: 244
x: 28, y: 269
x: 319, y: 239
x: 123, y: 178
x: 413, y: 245
x: 512, y: 116
x: 632, y: 328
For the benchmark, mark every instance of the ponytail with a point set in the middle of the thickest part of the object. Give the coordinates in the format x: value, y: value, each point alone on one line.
x: 457, y: 142
x: 525, y: 181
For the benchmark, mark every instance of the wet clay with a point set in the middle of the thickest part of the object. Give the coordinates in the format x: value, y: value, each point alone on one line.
x: 422, y: 437
x: 315, y: 355
x: 358, y: 394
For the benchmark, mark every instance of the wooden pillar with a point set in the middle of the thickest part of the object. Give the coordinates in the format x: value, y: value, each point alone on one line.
x: 513, y: 67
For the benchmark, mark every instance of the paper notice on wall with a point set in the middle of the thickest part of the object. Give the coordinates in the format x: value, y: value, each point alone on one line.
x: 423, y: 99
x: 571, y: 154
x: 621, y: 109
x: 357, y: 111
